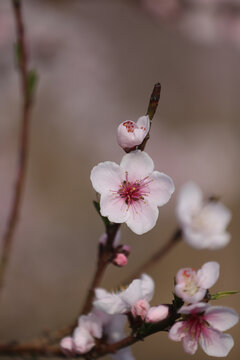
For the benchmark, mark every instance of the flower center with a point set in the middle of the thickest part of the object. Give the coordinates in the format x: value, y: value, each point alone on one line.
x: 130, y: 125
x: 195, y: 325
x: 191, y: 287
x: 131, y: 191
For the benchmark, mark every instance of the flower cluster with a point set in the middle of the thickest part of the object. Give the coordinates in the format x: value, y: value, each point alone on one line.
x: 94, y: 326
x: 133, y: 300
x: 131, y: 193
x: 200, y: 321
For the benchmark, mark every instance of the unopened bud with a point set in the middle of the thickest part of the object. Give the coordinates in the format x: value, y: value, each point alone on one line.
x: 130, y: 134
x: 157, y: 313
x: 140, y: 308
x: 120, y: 260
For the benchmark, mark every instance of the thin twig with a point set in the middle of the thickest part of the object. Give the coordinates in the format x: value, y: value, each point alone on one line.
x: 157, y: 256
x: 23, y: 142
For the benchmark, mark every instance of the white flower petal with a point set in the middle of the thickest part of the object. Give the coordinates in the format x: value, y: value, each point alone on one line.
x: 218, y: 241
x: 221, y: 317
x: 189, y: 202
x: 208, y: 274
x: 138, y: 164
x: 180, y: 291
x: 133, y: 293
x: 218, y: 215
x: 190, y: 344
x: 147, y: 287
x: 106, y: 176
x: 142, y: 219
x: 214, y: 343
x: 83, y: 341
x: 114, y: 208
x: 144, y: 122
x: 161, y: 188
x: 177, y: 331
x: 196, y: 239
x: 110, y: 303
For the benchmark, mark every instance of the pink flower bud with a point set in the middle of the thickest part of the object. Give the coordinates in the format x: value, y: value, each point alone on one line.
x: 67, y: 346
x: 130, y: 134
x: 120, y: 260
x: 140, y: 308
x: 157, y: 313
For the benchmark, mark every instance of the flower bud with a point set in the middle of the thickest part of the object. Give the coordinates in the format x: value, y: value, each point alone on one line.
x: 140, y: 308
x: 130, y: 134
x: 120, y: 260
x: 67, y: 346
x: 157, y: 313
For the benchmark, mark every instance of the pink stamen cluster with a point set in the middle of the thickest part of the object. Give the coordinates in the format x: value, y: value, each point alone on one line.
x: 134, y: 191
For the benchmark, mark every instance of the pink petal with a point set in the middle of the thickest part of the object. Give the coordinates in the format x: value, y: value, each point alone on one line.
x: 138, y: 164
x: 161, y: 188
x: 208, y: 274
x: 221, y: 317
x: 67, y: 346
x: 142, y: 218
x: 194, y: 308
x: 106, y: 176
x: 177, y: 331
x: 157, y: 313
x: 125, y: 138
x: 214, y: 343
x: 140, y: 308
x: 190, y: 344
x: 114, y: 208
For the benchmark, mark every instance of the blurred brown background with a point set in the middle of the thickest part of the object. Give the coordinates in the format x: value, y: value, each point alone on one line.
x: 97, y: 63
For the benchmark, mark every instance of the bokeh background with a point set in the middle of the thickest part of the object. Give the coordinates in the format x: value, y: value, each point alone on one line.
x: 97, y: 63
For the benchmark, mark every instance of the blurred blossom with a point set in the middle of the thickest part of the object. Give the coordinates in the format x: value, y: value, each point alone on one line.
x: 205, y: 323
x: 203, y: 222
x: 130, y: 134
x: 95, y: 325
x: 207, y: 21
x: 191, y: 286
x: 83, y: 340
x: 124, y: 301
x: 133, y: 191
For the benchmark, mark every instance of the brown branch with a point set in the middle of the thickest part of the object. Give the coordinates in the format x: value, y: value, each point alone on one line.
x: 152, y: 107
x: 98, y: 351
x: 13, y: 216
x: 157, y: 256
